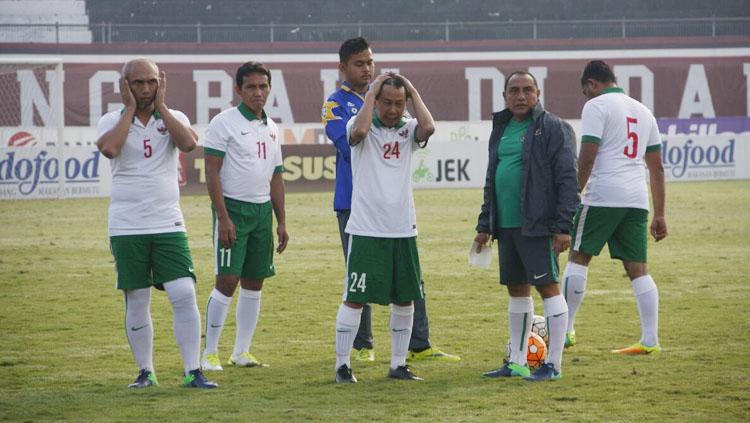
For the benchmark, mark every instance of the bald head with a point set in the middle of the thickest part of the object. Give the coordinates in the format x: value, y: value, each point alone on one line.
x: 139, y: 65
x: 142, y: 76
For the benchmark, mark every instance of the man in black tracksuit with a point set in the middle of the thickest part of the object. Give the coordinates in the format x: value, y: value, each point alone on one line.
x: 530, y: 198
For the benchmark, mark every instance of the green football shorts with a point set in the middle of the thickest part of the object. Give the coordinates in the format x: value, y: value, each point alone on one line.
x: 148, y: 260
x: 251, y: 255
x: 624, y: 229
x: 383, y: 270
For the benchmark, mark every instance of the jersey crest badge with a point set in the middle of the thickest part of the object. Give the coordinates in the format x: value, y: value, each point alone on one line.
x: 162, y: 130
x: 404, y: 133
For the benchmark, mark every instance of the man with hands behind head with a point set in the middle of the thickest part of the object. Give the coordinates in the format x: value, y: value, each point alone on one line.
x: 383, y: 261
x: 357, y: 66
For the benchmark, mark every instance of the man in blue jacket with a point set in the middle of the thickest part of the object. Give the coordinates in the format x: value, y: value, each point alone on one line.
x: 530, y: 197
x: 357, y: 65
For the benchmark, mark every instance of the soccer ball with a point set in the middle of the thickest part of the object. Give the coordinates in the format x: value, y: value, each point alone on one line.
x: 539, y: 327
x: 536, y: 354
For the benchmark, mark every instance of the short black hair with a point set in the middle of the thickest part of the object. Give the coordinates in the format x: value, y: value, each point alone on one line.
x: 351, y: 47
x: 395, y: 82
x: 598, y: 70
x: 251, y: 67
x: 519, y: 72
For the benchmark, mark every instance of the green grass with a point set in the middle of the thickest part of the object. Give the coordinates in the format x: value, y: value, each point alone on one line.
x: 64, y: 354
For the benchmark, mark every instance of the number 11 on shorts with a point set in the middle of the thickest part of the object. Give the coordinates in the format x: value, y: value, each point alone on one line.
x: 356, y: 283
x: 225, y: 257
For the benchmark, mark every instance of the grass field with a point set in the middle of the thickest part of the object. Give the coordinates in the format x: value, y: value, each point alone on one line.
x: 65, y: 355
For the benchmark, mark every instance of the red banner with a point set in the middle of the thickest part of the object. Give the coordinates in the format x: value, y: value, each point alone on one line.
x: 703, y: 83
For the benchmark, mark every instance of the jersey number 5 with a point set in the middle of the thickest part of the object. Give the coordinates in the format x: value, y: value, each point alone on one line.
x: 633, y: 137
x: 147, y: 151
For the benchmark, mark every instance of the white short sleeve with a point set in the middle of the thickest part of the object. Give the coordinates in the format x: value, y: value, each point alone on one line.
x: 592, y: 120
x: 654, y: 137
x: 106, y: 122
x: 215, y: 136
x: 349, y: 126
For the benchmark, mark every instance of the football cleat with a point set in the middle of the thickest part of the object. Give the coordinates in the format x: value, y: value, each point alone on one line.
x: 570, y: 339
x: 211, y: 363
x: 365, y: 354
x: 145, y: 379
x: 432, y: 353
x: 638, y: 349
x: 245, y: 360
x: 196, y: 379
x: 509, y: 369
x: 403, y: 373
x: 545, y: 372
x: 344, y: 375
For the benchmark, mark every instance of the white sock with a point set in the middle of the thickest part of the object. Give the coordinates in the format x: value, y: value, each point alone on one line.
x: 248, y: 310
x: 347, y: 323
x: 187, y: 321
x: 647, y: 298
x: 556, y: 313
x: 216, y: 315
x: 573, y: 288
x: 138, y: 326
x: 402, y: 319
x: 520, y: 314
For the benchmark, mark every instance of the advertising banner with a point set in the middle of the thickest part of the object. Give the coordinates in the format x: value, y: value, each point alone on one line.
x: 675, y: 83
x: 40, y: 172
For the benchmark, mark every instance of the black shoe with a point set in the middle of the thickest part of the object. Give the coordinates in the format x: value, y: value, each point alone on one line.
x: 344, y: 375
x: 403, y: 373
x: 195, y: 379
x: 145, y: 379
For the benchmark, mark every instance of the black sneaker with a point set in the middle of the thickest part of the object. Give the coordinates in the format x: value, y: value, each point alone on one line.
x: 403, y: 373
x: 195, y: 379
x: 145, y: 379
x: 344, y: 375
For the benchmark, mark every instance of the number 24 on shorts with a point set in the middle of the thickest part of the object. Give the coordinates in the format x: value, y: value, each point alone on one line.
x: 357, y: 283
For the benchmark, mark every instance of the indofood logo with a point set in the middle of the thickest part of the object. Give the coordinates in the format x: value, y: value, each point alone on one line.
x: 32, y: 173
x: 688, y: 159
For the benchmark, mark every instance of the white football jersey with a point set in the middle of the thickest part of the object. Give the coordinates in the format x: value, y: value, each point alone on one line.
x: 382, y: 202
x: 145, y: 195
x: 251, y: 149
x: 624, y: 129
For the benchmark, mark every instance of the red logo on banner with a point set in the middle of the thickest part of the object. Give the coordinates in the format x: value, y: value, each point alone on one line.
x: 21, y: 139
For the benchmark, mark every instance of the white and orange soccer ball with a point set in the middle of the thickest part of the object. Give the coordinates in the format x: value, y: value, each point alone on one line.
x: 536, y: 353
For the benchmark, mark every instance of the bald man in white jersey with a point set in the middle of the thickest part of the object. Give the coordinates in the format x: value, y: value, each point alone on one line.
x: 146, y: 227
x: 620, y: 139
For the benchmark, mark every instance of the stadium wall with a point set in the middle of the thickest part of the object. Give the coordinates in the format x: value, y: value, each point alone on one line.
x: 700, y: 95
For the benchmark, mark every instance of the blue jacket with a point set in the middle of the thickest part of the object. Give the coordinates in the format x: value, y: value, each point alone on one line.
x: 549, y: 183
x: 341, y: 106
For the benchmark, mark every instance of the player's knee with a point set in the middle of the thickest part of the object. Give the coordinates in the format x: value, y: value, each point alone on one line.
x: 403, y: 309
x: 180, y: 290
x: 252, y: 284
x: 137, y: 300
x: 227, y: 284
x: 548, y: 290
x: 635, y: 270
x: 579, y: 258
x: 519, y: 290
